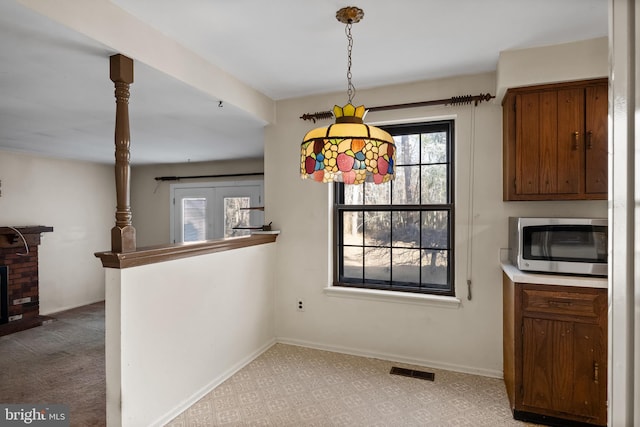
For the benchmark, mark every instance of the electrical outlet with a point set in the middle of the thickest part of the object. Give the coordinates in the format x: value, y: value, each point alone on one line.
x: 300, y: 304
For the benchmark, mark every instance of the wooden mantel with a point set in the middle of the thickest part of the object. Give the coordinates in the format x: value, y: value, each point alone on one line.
x: 9, y: 238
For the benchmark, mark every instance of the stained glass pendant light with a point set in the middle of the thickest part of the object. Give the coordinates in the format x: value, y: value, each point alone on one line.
x: 348, y: 151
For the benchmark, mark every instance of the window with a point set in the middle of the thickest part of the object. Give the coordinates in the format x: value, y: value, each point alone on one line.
x: 398, y: 235
x: 203, y: 211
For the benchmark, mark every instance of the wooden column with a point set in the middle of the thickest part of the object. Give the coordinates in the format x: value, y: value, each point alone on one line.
x: 123, y: 235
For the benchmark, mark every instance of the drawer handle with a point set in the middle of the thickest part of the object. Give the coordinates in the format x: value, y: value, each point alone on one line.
x: 596, y: 372
x: 559, y: 303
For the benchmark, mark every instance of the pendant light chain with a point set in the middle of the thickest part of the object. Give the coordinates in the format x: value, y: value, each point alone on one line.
x: 351, y: 89
x: 348, y: 151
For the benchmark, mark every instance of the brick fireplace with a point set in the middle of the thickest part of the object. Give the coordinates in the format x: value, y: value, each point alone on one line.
x: 19, y: 298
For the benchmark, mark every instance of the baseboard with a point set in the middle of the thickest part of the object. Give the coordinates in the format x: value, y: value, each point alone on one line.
x: 393, y: 358
x: 548, y: 420
x: 199, y: 394
x: 59, y: 310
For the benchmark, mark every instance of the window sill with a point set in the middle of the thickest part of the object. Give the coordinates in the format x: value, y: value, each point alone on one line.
x: 390, y: 296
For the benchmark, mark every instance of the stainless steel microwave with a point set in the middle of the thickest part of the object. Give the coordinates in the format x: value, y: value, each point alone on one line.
x: 559, y: 245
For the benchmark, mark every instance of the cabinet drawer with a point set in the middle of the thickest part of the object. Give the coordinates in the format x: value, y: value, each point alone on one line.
x: 559, y: 302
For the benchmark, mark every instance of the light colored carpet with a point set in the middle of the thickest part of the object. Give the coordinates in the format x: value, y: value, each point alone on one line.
x: 296, y: 386
x: 63, y: 362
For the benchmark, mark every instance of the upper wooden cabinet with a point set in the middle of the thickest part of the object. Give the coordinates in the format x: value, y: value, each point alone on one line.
x: 555, y: 141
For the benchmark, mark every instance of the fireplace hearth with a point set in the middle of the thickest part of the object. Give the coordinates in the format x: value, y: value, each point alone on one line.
x: 19, y: 294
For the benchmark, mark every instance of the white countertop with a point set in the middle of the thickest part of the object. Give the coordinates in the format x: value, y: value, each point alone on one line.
x: 519, y: 276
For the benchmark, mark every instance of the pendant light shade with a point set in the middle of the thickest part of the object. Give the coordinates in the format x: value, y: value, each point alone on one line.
x: 348, y: 151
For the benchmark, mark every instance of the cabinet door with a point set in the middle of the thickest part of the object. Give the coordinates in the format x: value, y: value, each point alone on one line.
x: 555, y: 141
x: 527, y: 147
x: 564, y: 368
x: 590, y: 373
x: 537, y: 358
x: 596, y: 139
x: 570, y: 140
x: 548, y: 361
x: 548, y: 143
x: 536, y: 146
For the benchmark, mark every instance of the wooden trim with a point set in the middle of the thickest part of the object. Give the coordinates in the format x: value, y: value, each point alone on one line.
x: 155, y: 254
x: 508, y: 338
x: 10, y: 239
x: 27, y: 229
x: 123, y: 234
x: 560, y: 85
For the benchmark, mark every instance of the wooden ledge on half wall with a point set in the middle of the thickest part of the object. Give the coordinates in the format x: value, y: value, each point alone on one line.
x: 163, y: 253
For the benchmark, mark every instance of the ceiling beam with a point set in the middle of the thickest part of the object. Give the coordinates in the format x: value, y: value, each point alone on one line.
x: 112, y: 26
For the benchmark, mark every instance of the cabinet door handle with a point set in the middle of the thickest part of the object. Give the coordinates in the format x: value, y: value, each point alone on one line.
x: 575, y: 140
x: 596, y: 373
x: 559, y: 303
x: 589, y: 143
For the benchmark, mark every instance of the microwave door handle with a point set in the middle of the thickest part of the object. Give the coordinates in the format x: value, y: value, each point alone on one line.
x: 544, y: 241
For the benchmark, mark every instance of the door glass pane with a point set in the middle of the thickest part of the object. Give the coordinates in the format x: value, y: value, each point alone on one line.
x: 194, y: 219
x: 235, y: 216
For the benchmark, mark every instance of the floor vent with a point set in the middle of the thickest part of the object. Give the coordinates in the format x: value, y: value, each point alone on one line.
x: 430, y: 376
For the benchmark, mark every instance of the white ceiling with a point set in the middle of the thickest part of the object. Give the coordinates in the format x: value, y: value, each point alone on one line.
x: 57, y: 99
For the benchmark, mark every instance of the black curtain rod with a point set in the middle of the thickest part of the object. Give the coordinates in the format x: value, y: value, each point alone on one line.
x: 178, y: 178
x: 456, y: 100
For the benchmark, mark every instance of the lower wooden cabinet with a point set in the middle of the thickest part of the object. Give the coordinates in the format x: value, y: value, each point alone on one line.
x: 555, y: 352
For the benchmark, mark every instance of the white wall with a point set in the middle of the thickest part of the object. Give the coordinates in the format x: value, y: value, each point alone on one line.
x: 468, y: 338
x: 586, y: 59
x: 78, y: 200
x: 150, y: 198
x: 177, y: 329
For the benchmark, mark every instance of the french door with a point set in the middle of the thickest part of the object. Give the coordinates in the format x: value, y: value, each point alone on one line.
x: 215, y: 210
